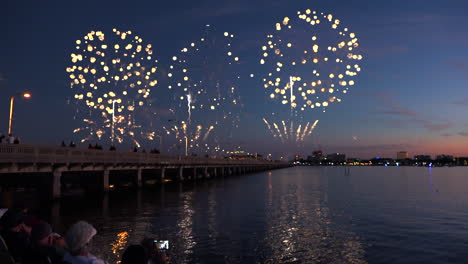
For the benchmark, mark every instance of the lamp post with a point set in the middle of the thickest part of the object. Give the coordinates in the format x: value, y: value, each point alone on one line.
x: 113, y: 119
x: 160, y: 143
x: 186, y: 146
x: 12, y: 101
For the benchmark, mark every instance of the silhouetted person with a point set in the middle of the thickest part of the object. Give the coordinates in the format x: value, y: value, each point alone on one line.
x: 16, y: 233
x: 16, y: 140
x: 46, y: 247
x: 112, y: 148
x: 90, y: 146
x: 2, y: 137
x: 72, y: 144
x: 63, y: 144
x: 79, y: 242
x: 134, y: 254
x: 153, y: 253
x: 11, y: 139
x: 135, y: 149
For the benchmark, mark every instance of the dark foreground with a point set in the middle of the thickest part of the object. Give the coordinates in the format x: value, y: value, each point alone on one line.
x: 301, y: 214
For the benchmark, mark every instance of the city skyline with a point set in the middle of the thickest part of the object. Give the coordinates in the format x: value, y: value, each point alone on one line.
x: 411, y: 94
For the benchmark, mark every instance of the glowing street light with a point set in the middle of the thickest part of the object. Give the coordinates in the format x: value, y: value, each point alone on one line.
x: 12, y: 101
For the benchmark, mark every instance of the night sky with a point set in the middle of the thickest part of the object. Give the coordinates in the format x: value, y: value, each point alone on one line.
x: 411, y: 95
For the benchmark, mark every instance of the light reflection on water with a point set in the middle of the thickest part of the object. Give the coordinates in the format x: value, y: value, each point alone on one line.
x: 299, y: 229
x: 296, y: 215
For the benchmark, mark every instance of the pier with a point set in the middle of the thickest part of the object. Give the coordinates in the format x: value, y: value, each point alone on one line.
x: 56, y: 165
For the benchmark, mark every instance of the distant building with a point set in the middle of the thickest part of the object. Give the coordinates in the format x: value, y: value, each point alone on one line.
x: 336, y: 158
x: 317, y: 154
x: 423, y: 158
x: 462, y: 161
x: 444, y: 157
x: 297, y: 157
x: 402, y: 155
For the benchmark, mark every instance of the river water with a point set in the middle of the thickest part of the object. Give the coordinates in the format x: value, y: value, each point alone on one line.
x: 293, y: 215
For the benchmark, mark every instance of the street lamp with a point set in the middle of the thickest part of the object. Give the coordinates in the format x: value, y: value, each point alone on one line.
x: 12, y: 101
x: 160, y: 143
x: 113, y: 120
x: 186, y: 146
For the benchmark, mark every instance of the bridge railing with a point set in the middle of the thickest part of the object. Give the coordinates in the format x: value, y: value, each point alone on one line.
x: 11, y: 153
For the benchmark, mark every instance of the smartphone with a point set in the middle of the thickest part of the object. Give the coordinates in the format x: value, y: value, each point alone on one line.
x: 161, y: 244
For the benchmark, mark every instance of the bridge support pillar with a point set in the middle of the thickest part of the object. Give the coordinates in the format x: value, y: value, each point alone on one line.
x: 139, y: 181
x: 181, y: 174
x: 215, y: 172
x: 163, y: 171
x: 205, y: 172
x: 56, y: 186
x: 105, y: 180
x: 195, y: 174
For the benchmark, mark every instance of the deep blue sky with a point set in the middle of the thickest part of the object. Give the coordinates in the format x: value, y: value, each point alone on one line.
x: 412, y: 94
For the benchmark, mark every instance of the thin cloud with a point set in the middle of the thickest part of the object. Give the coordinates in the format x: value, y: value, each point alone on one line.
x: 446, y: 135
x: 398, y: 112
x: 463, y: 134
x: 463, y: 102
x: 431, y: 126
x: 412, y: 117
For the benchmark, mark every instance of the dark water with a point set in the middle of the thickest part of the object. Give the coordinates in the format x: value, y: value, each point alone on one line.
x: 301, y: 215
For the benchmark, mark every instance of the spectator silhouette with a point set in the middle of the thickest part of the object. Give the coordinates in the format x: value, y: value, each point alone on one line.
x: 79, y: 241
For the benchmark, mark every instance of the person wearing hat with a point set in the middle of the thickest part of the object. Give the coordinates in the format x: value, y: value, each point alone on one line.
x: 79, y: 242
x: 46, y: 247
x: 16, y: 233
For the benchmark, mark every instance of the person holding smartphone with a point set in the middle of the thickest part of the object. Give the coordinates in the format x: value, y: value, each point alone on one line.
x: 156, y: 250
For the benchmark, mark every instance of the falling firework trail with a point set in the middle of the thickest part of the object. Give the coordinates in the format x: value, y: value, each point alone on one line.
x: 208, y: 132
x: 291, y: 86
x: 305, y: 131
x: 285, y: 129
x: 298, y: 133
x: 269, y: 127
x: 313, y: 126
x: 189, y: 107
x: 279, y: 132
x: 197, y: 134
x: 291, y: 128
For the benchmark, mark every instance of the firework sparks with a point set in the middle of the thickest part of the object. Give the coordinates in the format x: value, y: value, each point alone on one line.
x: 295, y: 134
x: 109, y: 69
x: 314, y: 57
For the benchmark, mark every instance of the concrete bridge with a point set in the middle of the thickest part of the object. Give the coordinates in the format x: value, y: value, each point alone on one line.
x: 52, y: 163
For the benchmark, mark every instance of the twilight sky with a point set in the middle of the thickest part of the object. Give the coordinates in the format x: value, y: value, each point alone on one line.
x: 412, y: 93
